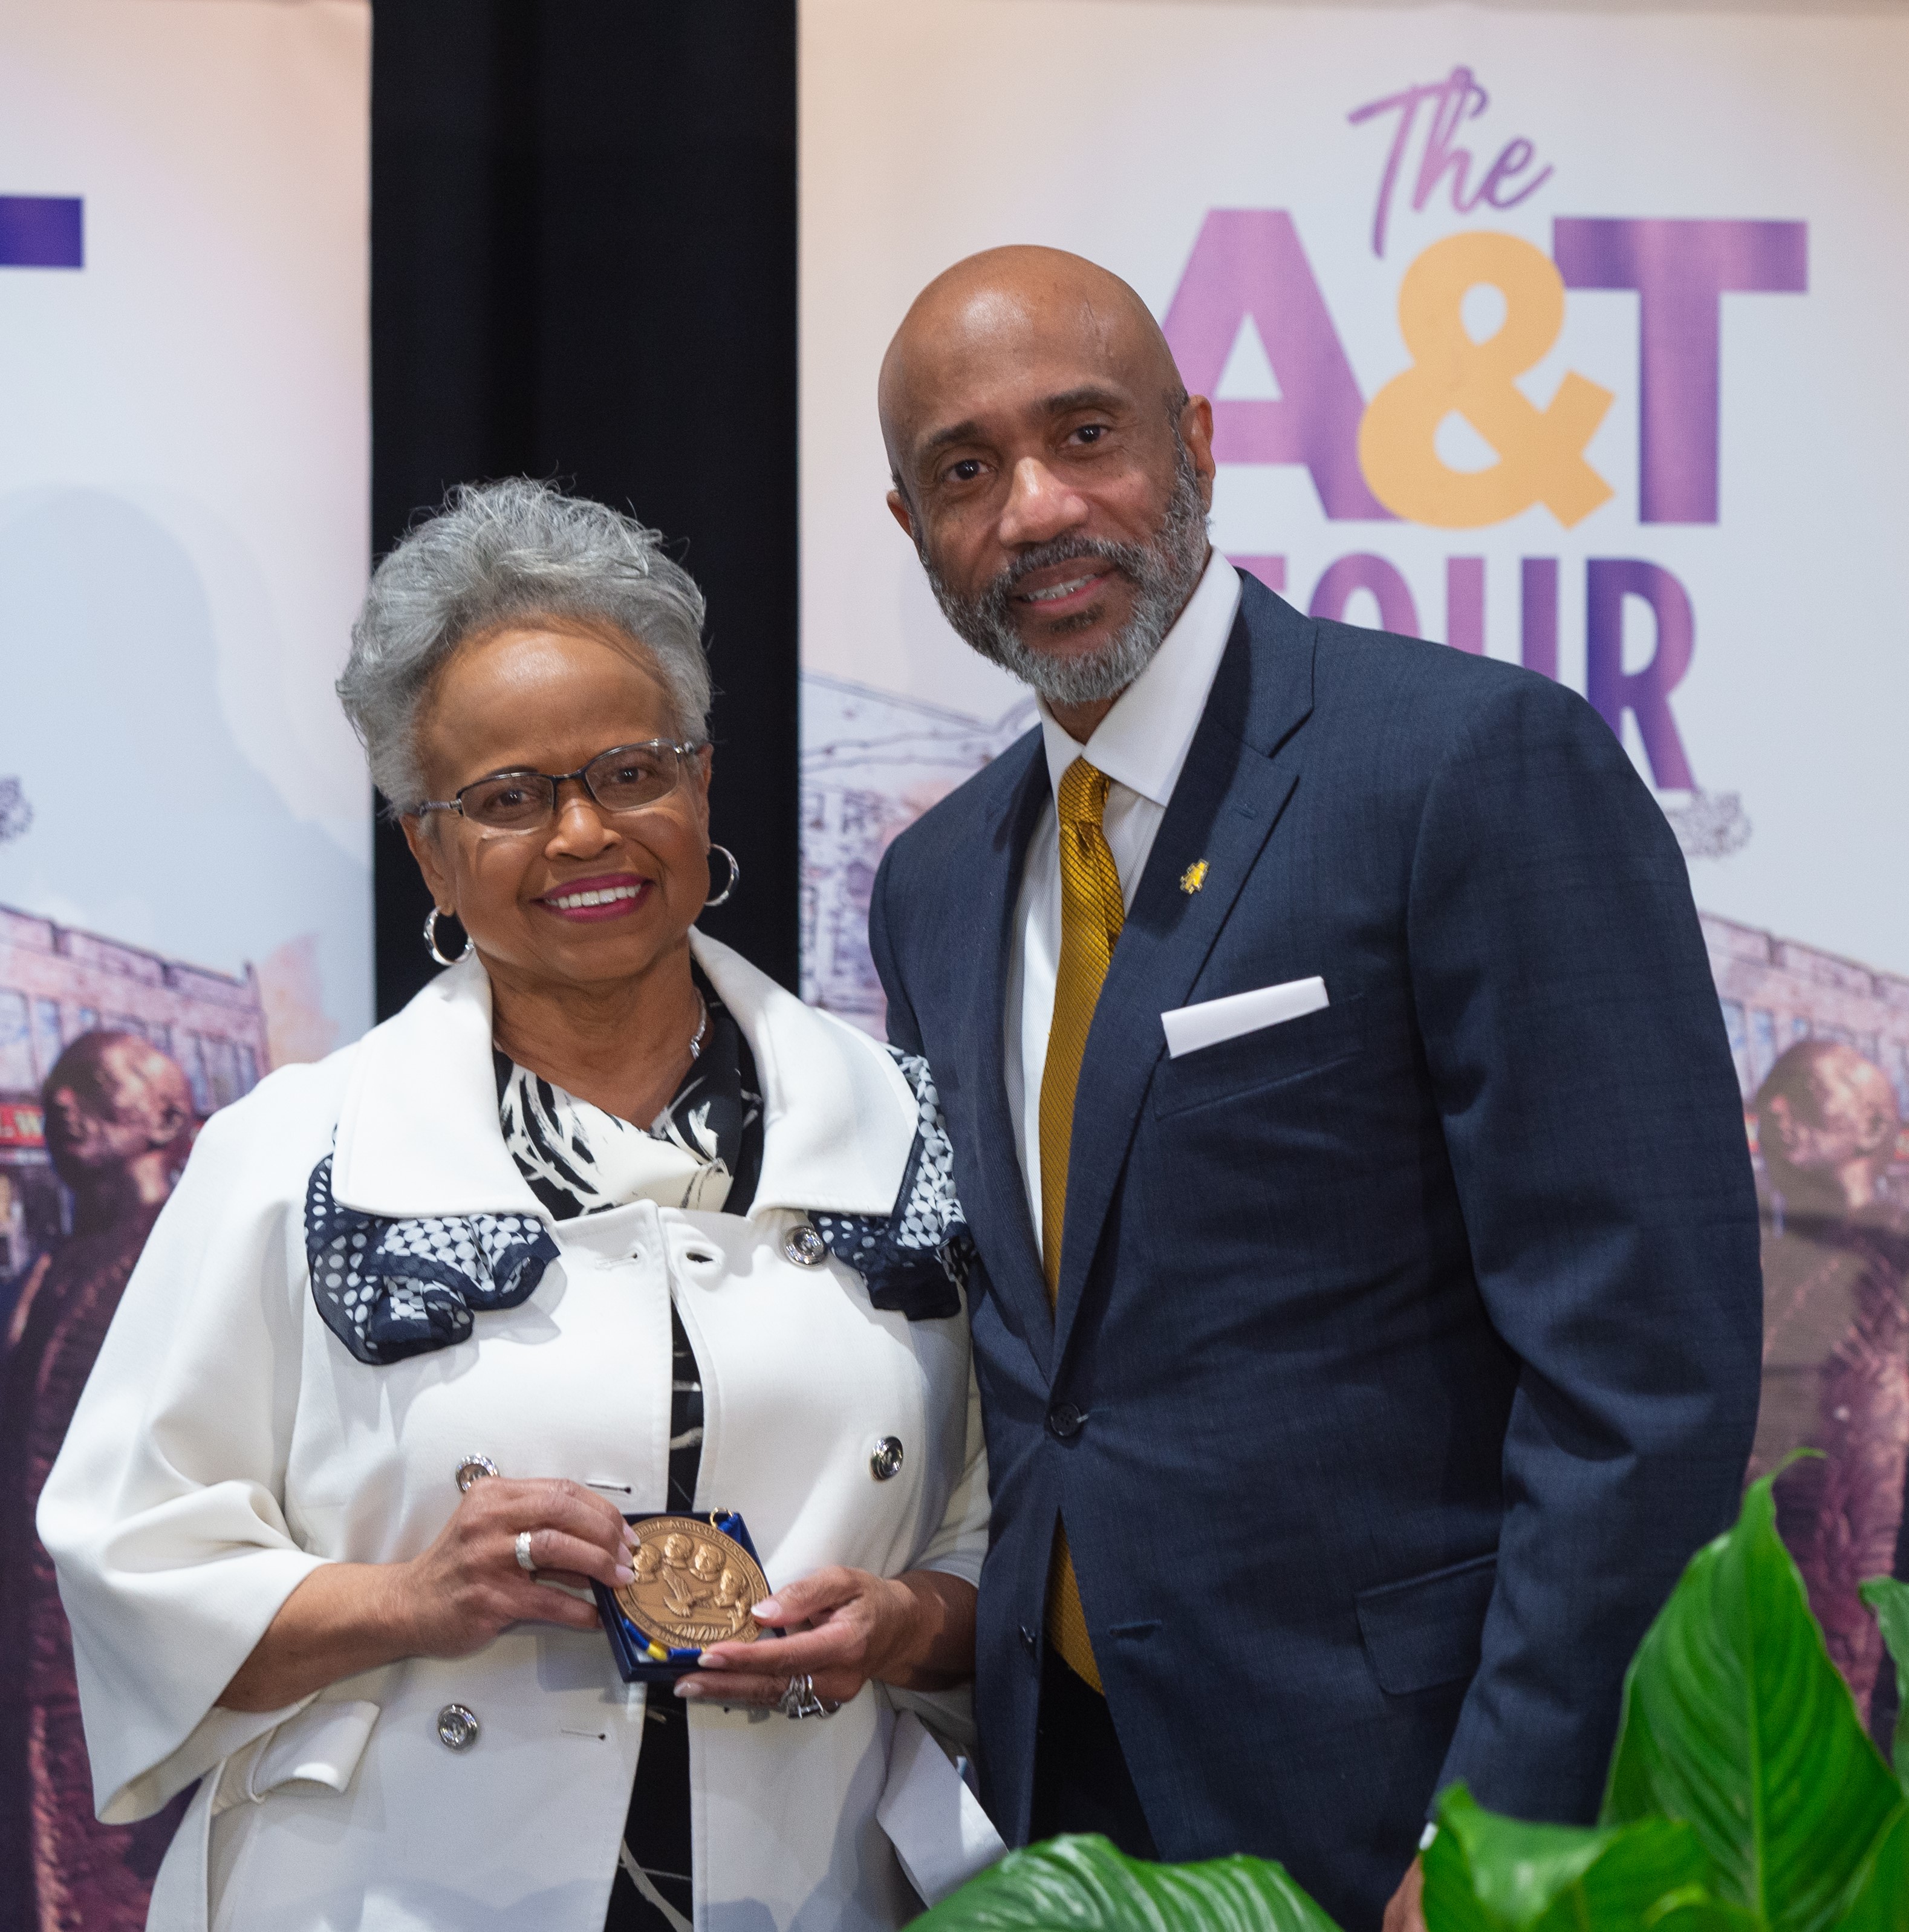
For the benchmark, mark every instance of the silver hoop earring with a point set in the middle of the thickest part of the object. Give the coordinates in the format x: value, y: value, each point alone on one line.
x: 735, y: 873
x: 430, y: 939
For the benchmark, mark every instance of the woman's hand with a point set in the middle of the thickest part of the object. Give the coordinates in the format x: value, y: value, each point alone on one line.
x: 844, y: 1627
x: 449, y: 1601
x: 468, y: 1585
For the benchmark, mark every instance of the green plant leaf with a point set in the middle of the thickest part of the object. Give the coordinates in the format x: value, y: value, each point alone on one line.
x: 1083, y: 1885
x: 1889, y: 1599
x: 1485, y: 1873
x: 1880, y: 1901
x: 1704, y: 1914
x: 1736, y: 1721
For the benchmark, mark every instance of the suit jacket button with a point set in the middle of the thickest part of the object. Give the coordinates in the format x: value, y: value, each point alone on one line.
x: 1065, y: 1420
x: 457, y: 1727
x: 886, y: 1463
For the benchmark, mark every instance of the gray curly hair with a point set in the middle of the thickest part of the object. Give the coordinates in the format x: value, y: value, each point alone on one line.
x: 510, y: 553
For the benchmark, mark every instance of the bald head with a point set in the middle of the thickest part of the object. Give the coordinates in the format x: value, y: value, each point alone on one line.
x: 1054, y: 474
x: 1827, y: 1122
x: 118, y: 1114
x: 1006, y: 306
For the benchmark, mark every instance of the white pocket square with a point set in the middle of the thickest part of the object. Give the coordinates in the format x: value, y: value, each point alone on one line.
x: 1208, y: 1022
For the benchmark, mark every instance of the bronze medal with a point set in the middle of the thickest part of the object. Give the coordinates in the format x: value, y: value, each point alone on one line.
x: 693, y: 1585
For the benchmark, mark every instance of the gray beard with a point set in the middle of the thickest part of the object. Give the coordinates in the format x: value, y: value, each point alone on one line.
x: 1163, y: 574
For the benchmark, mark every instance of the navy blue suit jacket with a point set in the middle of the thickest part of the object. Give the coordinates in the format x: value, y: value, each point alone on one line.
x: 1404, y: 1352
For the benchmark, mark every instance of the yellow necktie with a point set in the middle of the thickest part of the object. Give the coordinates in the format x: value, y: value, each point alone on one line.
x: 1092, y: 913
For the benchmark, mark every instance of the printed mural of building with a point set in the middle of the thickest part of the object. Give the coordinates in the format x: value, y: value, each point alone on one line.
x: 872, y: 763
x: 57, y: 983
x: 1776, y: 991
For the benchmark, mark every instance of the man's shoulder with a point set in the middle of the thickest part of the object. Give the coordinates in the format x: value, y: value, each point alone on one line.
x: 1398, y: 696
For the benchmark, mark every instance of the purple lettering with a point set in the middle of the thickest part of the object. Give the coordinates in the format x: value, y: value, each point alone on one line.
x: 1537, y: 615
x: 1463, y: 100
x: 1645, y: 693
x: 1680, y: 271
x: 1464, y: 604
x: 1365, y: 571
x: 1406, y: 106
x: 1270, y: 570
x: 1514, y: 158
x: 1453, y: 100
x: 1249, y: 261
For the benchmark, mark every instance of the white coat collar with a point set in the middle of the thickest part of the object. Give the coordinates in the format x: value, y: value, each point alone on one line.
x: 417, y: 1131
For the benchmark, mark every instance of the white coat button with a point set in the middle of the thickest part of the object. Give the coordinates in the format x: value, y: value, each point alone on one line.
x: 887, y: 1460
x: 804, y: 1246
x: 474, y: 1469
x: 457, y: 1727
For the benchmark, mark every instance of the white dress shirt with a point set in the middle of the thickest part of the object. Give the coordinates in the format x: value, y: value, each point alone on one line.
x: 1141, y: 745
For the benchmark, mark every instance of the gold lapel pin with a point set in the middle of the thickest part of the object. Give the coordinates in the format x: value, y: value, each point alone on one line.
x: 1194, y: 877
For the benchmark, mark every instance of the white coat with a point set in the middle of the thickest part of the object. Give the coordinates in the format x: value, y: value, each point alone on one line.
x: 227, y: 1444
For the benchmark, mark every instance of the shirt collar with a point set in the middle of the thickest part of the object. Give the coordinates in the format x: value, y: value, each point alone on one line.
x: 1143, y: 741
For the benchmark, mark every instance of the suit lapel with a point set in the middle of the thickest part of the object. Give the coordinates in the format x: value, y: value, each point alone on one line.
x: 1246, y: 759
x: 1004, y: 1229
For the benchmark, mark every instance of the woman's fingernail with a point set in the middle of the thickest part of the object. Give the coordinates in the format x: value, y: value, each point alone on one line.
x: 706, y: 1662
x: 630, y: 1538
x: 684, y: 1688
x: 622, y: 1573
x: 768, y: 1610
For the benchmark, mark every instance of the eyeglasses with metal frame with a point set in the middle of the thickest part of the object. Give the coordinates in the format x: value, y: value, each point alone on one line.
x: 625, y: 779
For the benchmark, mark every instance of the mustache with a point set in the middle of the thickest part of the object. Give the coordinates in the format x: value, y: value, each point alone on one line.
x: 1127, y: 559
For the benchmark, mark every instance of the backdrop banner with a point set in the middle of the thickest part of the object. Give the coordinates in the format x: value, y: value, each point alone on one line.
x: 1571, y: 336
x: 185, y: 835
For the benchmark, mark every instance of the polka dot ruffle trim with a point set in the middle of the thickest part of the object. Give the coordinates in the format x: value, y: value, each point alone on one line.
x: 388, y: 1289
x: 915, y: 1260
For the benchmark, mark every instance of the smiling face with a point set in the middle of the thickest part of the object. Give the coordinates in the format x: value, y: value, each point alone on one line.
x: 594, y: 898
x: 1052, y: 471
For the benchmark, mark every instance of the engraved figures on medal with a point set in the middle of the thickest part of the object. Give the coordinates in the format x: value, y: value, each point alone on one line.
x: 693, y: 1585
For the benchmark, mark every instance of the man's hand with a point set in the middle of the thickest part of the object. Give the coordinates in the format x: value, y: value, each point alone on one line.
x: 1403, y: 1913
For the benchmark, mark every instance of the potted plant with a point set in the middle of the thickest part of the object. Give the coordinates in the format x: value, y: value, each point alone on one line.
x: 1744, y: 1795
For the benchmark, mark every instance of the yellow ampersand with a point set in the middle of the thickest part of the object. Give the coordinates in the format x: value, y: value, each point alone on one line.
x: 1540, y: 452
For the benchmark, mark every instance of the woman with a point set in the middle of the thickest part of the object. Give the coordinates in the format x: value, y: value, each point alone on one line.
x: 555, y: 1246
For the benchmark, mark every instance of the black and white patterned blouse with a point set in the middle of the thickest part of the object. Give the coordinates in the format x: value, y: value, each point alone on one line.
x: 704, y: 1151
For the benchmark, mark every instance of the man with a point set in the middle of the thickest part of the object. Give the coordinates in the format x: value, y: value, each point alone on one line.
x: 1362, y: 1362
x: 119, y: 1125
x: 1835, y: 1336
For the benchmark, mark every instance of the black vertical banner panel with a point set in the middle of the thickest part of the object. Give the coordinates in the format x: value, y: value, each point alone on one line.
x: 583, y: 264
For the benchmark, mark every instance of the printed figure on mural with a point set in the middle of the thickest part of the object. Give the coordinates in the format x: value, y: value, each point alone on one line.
x: 1835, y: 1255
x: 119, y: 1122
x: 110, y: 1059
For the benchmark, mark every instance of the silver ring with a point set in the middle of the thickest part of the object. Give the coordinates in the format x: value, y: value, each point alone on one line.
x: 799, y: 1700
x: 524, y: 1562
x: 473, y: 1469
